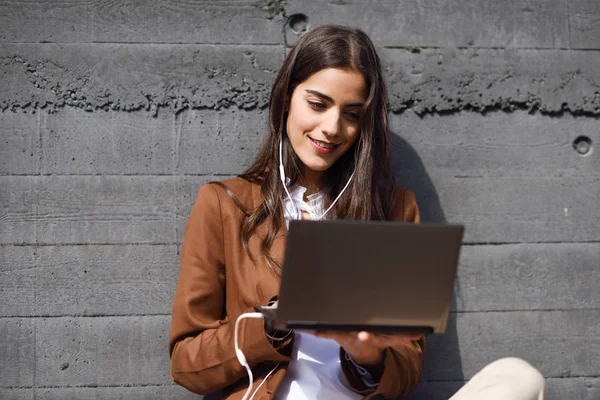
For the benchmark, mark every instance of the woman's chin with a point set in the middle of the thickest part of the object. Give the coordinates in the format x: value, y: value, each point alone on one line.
x: 318, y: 167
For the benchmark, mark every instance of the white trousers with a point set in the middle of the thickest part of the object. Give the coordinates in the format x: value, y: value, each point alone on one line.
x: 504, y: 379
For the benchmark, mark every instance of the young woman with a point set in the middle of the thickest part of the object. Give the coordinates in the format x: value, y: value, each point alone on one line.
x: 326, y: 156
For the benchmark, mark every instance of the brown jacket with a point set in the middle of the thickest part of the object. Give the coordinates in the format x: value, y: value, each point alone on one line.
x: 218, y: 282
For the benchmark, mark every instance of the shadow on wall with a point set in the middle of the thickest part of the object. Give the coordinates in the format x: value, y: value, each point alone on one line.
x: 442, y: 355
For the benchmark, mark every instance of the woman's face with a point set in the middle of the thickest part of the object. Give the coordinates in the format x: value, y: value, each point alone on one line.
x: 324, y: 117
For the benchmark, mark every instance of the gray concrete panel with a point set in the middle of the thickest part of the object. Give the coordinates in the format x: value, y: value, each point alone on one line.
x: 556, y: 388
x: 494, y: 145
x: 140, y: 280
x: 17, y: 352
x: 448, y: 80
x: 494, y: 210
x: 80, y: 142
x: 511, y: 209
x: 170, y: 392
x: 136, y: 77
x: 19, y: 200
x: 20, y: 137
x: 584, y: 24
x: 225, y: 142
x: 558, y: 343
x: 573, y: 388
x: 103, y: 351
x: 443, y: 23
x: 88, y: 209
x: 129, y: 209
x: 147, y: 77
x: 545, y: 276
x: 17, y: 280
x: 107, y: 351
x: 106, y: 209
x: 154, y: 21
x: 16, y: 394
x: 89, y: 280
x: 218, y: 142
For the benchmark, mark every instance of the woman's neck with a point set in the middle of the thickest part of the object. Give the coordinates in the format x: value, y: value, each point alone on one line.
x: 311, y: 181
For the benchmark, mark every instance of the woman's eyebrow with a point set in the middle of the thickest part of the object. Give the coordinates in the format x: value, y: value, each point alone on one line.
x: 329, y: 99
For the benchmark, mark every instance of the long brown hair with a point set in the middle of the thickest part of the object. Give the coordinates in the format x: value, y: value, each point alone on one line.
x: 370, y: 195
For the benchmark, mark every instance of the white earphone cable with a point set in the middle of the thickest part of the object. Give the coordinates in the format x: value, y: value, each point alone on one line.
x: 238, y: 352
x: 282, y: 176
x: 242, y: 359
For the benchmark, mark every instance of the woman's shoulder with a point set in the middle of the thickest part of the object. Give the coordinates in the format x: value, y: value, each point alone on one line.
x: 230, y: 192
x: 406, y: 208
x: 404, y: 194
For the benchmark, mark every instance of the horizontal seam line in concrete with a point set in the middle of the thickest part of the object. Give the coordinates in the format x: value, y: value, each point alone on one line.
x: 113, y: 175
x: 392, y: 47
x: 91, y: 386
x: 168, y: 385
x: 233, y: 174
x: 86, y: 316
x: 168, y: 315
x: 524, y: 310
x: 558, y: 175
x: 415, y: 48
x: 89, y: 244
x: 394, y: 110
x: 153, y: 43
x: 466, y: 244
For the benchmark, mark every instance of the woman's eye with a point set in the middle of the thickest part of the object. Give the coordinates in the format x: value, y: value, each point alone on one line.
x: 317, y: 105
x: 353, y: 116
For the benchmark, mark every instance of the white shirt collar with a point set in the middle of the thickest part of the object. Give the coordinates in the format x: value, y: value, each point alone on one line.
x: 294, y: 210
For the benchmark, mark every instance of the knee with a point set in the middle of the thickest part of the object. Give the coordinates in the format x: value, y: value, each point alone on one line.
x: 516, y: 366
x: 521, y: 374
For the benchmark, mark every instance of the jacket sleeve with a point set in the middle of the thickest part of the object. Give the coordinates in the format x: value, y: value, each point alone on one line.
x: 403, y: 366
x: 201, y: 341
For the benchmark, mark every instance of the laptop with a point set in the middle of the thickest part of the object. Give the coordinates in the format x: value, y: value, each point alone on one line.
x: 379, y: 276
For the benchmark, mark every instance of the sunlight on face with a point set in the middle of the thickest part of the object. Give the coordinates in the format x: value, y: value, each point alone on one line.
x: 324, y: 118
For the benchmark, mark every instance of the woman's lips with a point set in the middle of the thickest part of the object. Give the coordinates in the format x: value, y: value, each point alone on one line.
x: 323, y: 147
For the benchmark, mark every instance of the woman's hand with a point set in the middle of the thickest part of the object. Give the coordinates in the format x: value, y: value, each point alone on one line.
x: 366, y: 348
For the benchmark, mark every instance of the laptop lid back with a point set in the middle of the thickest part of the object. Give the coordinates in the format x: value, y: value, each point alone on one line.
x: 361, y: 274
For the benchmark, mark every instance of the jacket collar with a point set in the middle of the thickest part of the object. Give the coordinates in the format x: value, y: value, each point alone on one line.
x: 257, y: 199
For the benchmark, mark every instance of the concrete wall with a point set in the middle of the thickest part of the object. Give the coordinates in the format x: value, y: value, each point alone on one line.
x: 113, y: 113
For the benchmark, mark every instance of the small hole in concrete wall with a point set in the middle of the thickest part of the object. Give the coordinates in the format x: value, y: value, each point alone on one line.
x: 298, y: 23
x: 583, y: 145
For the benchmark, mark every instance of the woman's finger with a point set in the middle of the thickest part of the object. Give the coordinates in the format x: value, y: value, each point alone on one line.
x: 383, y: 340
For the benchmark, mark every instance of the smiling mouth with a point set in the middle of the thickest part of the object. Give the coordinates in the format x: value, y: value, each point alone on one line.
x: 324, y: 145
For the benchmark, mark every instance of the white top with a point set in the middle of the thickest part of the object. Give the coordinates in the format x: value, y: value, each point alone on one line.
x: 315, y: 371
x: 294, y: 210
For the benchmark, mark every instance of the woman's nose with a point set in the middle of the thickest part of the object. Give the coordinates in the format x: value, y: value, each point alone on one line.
x: 331, y: 123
